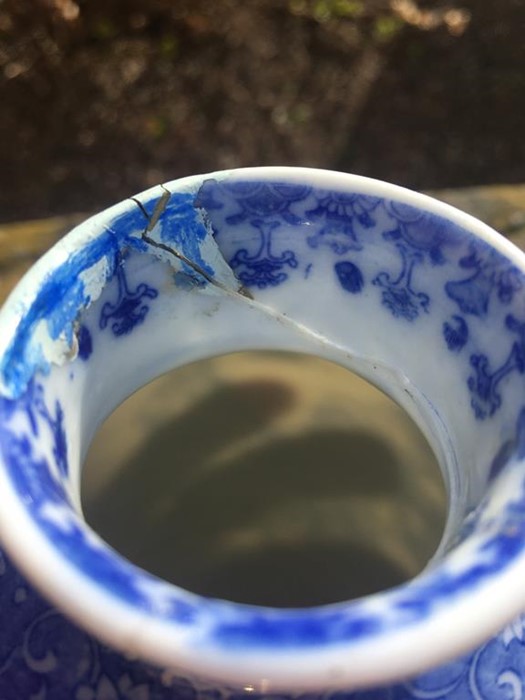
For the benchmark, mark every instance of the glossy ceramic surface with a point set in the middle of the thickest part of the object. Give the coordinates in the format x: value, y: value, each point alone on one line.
x: 422, y: 300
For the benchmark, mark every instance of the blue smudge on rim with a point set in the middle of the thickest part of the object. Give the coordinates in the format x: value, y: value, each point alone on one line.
x: 62, y: 295
x: 59, y: 299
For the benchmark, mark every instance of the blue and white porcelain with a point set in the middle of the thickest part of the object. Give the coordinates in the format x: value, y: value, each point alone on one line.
x: 422, y: 300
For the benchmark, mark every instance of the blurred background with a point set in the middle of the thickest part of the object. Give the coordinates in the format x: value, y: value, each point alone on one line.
x: 102, y: 98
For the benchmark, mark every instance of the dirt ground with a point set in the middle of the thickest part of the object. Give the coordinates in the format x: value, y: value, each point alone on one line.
x: 102, y: 98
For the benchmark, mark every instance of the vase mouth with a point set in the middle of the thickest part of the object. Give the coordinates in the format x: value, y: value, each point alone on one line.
x: 63, y: 342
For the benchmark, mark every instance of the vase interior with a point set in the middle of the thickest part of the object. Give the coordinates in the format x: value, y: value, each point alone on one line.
x: 272, y: 479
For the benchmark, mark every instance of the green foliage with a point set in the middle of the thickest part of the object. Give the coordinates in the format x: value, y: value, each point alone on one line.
x: 326, y: 10
x: 387, y: 27
x: 169, y: 45
x: 384, y: 26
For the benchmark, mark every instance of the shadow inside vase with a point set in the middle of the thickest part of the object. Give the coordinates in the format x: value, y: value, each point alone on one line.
x: 261, y: 491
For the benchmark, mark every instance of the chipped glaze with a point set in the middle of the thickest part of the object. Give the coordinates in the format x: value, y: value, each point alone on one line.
x: 419, y: 298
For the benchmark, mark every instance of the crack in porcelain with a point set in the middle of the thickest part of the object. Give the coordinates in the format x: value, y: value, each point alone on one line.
x: 413, y: 295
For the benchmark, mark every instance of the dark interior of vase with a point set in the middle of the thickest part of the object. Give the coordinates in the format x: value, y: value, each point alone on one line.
x: 267, y: 478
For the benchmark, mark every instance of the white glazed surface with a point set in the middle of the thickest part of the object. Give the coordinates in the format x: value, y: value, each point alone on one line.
x: 197, y: 306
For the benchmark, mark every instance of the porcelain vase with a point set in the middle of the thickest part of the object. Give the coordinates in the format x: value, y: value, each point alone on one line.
x: 419, y: 298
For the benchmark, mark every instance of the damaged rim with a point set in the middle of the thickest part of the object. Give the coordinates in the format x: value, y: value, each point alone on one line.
x: 254, y: 259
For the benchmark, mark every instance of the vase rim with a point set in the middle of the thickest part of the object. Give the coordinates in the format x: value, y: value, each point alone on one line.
x: 369, y: 641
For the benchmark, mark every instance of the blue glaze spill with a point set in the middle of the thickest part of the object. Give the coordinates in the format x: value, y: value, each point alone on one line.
x: 184, y: 234
x: 62, y: 294
x: 35, y: 409
x: 58, y: 301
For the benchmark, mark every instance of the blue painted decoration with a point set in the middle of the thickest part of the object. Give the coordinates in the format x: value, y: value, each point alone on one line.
x: 484, y: 383
x: 491, y: 275
x: 86, y: 669
x: 266, y: 208
x: 43, y: 656
x: 264, y: 200
x: 418, y: 237
x: 253, y: 200
x: 420, y: 270
x: 37, y: 486
x: 422, y: 257
x: 85, y: 342
x: 57, y: 304
x: 262, y: 268
x: 63, y: 295
x: 130, y: 309
x: 339, y: 213
x: 455, y: 332
x: 33, y: 478
x: 398, y: 295
x: 278, y: 215
x: 422, y: 231
x: 350, y: 276
x: 514, y: 448
x: 181, y: 227
x: 55, y: 424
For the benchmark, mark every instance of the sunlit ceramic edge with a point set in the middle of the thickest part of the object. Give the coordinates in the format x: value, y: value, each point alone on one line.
x: 350, y: 665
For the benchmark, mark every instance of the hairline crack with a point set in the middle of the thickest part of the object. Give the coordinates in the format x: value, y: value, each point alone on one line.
x: 160, y: 207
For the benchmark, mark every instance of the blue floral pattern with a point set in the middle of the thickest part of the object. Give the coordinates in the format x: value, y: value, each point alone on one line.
x: 490, y: 276
x: 398, y: 295
x: 262, y: 268
x: 417, y: 237
x: 266, y: 208
x: 430, y: 261
x: 129, y: 309
x: 340, y: 215
x: 484, y: 384
x: 455, y: 331
x: 39, y: 417
x: 43, y: 656
x: 418, y: 268
x: 47, y: 638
